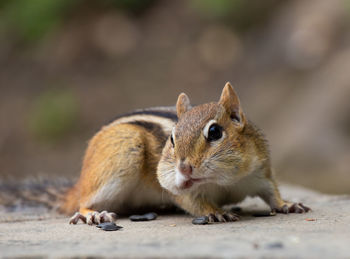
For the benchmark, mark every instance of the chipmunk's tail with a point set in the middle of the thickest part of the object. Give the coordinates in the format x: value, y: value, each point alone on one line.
x: 21, y: 194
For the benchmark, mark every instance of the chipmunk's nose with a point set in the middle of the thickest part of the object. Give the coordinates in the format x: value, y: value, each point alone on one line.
x: 185, y: 168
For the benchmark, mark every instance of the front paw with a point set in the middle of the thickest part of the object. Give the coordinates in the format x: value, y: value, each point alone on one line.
x: 94, y: 217
x: 290, y: 207
x: 223, y: 217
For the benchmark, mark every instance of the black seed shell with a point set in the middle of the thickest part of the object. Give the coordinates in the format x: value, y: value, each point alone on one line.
x: 200, y: 220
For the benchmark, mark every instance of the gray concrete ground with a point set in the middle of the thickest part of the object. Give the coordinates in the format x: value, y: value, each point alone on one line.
x: 322, y: 233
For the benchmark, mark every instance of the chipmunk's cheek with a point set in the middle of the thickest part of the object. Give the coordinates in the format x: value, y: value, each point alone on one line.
x: 169, y: 184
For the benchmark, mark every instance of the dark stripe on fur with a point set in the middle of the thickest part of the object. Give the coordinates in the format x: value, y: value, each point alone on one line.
x: 153, y: 128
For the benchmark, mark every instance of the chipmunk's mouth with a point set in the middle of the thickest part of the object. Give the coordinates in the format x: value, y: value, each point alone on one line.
x: 186, y: 184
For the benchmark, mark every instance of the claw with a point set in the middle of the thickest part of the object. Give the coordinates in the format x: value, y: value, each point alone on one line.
x: 96, y: 218
x: 212, y: 218
x: 296, y: 209
x: 108, y: 216
x: 230, y: 216
x: 223, y: 217
x: 306, y: 209
x: 89, y: 218
x: 292, y: 208
x: 74, y: 220
x: 93, y: 217
x: 220, y: 217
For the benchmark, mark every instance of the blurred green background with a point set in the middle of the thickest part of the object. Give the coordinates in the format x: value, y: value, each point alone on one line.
x: 68, y: 67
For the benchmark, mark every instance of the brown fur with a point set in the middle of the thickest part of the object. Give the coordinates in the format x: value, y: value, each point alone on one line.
x: 238, y: 162
x: 132, y: 164
x: 122, y: 149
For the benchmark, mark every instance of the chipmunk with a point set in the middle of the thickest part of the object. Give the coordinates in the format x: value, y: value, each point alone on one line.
x: 197, y: 158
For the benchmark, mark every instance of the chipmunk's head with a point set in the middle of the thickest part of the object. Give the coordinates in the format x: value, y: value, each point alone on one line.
x: 207, y: 145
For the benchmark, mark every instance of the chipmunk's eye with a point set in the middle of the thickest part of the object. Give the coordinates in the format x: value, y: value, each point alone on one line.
x: 172, y: 140
x: 214, y: 132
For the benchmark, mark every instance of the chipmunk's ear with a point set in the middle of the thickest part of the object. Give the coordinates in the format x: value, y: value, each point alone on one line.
x: 230, y: 101
x: 182, y: 105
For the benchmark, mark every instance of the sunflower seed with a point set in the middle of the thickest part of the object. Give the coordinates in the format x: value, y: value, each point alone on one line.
x: 200, y: 220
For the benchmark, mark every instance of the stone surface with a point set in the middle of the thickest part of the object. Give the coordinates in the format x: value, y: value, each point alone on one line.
x: 322, y: 233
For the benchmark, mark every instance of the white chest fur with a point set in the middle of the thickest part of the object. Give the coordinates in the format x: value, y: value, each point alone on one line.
x: 250, y: 185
